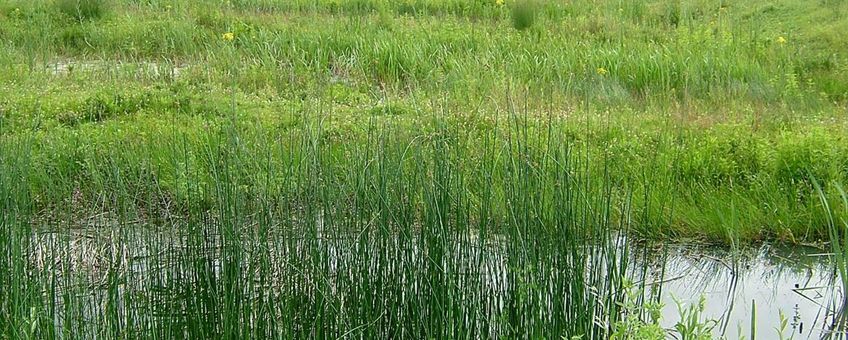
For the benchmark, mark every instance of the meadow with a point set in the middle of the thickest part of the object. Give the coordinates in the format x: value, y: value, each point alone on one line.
x: 409, y: 169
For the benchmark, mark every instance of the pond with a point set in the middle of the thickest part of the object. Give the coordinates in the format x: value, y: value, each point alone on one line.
x: 788, y: 291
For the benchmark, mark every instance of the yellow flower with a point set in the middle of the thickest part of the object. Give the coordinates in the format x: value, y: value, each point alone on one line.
x: 602, y: 71
x: 229, y: 36
x: 499, y: 2
x: 781, y: 40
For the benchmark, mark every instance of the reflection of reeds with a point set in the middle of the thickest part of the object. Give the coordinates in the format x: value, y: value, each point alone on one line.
x: 688, y: 271
x: 838, y: 234
x: 836, y: 330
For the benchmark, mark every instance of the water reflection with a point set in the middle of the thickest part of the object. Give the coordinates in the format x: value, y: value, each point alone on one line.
x: 144, y: 69
x: 795, y: 285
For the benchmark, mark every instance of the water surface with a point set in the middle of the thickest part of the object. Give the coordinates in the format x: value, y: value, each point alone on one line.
x: 797, y: 282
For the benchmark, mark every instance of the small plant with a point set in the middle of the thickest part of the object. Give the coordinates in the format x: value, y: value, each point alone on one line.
x: 83, y: 10
x: 632, y: 325
x: 781, y: 327
x: 691, y: 326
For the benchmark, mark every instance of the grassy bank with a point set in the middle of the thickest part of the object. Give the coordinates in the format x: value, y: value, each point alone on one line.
x: 714, y: 116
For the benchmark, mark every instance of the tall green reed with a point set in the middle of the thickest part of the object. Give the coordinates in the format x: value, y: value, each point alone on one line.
x: 402, y: 234
x: 838, y: 233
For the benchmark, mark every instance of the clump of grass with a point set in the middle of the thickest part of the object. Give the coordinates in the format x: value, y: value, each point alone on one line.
x: 83, y: 10
x: 524, y: 14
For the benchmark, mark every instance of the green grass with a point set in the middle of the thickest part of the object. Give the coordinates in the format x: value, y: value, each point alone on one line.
x: 366, y: 168
x: 83, y: 10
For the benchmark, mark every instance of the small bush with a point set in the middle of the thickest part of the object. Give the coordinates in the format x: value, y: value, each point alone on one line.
x: 83, y: 10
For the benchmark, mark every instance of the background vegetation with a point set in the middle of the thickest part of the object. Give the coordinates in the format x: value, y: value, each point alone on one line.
x: 725, y: 109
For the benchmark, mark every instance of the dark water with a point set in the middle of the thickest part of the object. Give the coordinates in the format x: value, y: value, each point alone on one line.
x: 798, y: 282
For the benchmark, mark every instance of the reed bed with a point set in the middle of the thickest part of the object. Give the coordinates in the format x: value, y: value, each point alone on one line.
x: 405, y: 240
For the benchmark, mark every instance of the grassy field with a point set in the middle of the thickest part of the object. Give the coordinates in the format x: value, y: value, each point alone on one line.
x: 358, y: 156
x: 711, y: 117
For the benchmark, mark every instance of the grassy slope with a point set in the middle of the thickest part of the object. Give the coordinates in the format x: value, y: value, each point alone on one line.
x: 708, y: 122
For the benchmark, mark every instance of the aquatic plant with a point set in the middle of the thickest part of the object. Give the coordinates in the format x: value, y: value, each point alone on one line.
x: 838, y: 232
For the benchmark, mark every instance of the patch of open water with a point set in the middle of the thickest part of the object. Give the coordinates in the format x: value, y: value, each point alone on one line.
x: 799, y: 283
x: 139, y: 68
x: 795, y: 284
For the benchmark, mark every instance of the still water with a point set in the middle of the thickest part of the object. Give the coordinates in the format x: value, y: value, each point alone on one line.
x: 777, y: 291
x: 796, y: 285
